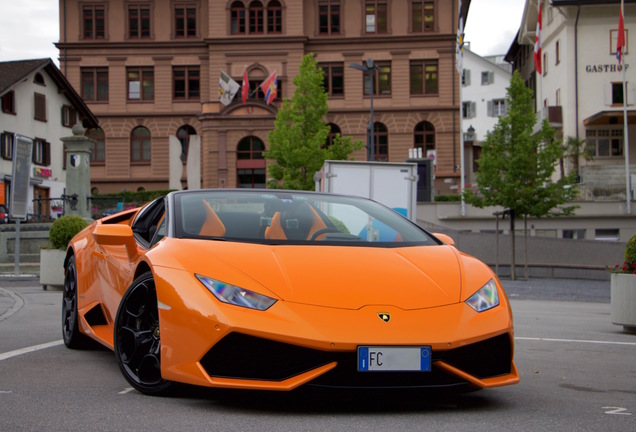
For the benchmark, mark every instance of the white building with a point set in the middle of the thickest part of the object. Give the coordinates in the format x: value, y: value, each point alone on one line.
x: 39, y: 103
x: 484, y: 85
x: 580, y: 89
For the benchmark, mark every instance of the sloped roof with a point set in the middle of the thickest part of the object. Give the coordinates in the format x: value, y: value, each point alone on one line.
x: 12, y: 72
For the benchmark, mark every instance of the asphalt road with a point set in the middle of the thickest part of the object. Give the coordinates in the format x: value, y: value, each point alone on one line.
x: 577, y: 373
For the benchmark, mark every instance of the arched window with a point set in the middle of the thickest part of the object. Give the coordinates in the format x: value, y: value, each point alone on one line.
x: 183, y: 135
x: 140, y: 145
x: 256, y: 17
x: 424, y: 137
x: 274, y: 17
x: 98, y: 154
x: 39, y: 79
x: 381, y: 140
x: 237, y: 18
x: 250, y: 163
x: 335, y: 131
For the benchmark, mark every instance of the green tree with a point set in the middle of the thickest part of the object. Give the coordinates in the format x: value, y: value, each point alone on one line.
x: 517, y: 164
x: 297, y: 144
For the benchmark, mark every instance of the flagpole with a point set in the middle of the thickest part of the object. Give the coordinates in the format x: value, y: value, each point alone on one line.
x: 540, y: 73
x: 628, y: 180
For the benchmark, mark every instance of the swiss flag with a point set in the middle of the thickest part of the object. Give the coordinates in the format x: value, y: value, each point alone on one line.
x: 537, y: 44
x: 620, y: 40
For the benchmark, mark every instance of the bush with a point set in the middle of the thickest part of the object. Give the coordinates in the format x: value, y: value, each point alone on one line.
x: 448, y: 198
x: 64, y: 229
x: 630, y: 252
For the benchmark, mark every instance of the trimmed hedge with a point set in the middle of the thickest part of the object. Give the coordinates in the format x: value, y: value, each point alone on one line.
x: 64, y: 229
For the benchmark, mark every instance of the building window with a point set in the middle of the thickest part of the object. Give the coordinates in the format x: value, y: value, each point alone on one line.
x: 256, y: 17
x: 329, y: 17
x: 237, y: 17
x: 487, y: 78
x: 6, y: 145
x: 424, y: 78
x: 381, y: 81
x: 333, y: 80
x: 605, y: 142
x: 41, y: 152
x: 617, y: 94
x: 8, y: 103
x: 381, y: 141
x: 94, y: 84
x: 39, y: 79
x: 98, y: 155
x: 140, y: 146
x: 186, y: 82
x: 250, y: 163
x: 469, y: 110
x: 424, y: 137
x: 422, y: 16
x: 544, y: 65
x: 183, y: 135
x: 141, y: 83
x: 93, y: 21
x: 575, y: 234
x: 39, y: 101
x: 607, y: 234
x: 139, y: 21
x: 274, y: 17
x: 69, y: 116
x: 185, y: 20
x: 466, y: 77
x: 376, y: 16
x: 496, y: 107
x: 334, y: 133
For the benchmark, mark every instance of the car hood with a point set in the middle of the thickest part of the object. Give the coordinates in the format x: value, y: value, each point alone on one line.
x: 347, y: 277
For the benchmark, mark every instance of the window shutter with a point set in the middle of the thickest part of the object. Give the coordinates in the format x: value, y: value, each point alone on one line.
x: 491, y: 77
x: 631, y: 93
x: 466, y: 77
x: 473, y: 109
x: 607, y: 94
x: 489, y: 108
x: 46, y: 153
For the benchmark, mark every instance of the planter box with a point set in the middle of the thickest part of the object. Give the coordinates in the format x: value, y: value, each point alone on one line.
x: 623, y: 301
x: 52, y: 267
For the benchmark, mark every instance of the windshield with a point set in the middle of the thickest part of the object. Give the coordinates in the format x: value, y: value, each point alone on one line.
x: 290, y: 217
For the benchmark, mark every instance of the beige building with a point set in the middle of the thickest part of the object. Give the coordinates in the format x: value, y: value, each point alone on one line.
x: 149, y: 70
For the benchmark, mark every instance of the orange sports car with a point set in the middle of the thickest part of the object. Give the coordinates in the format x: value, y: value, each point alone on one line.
x: 267, y: 289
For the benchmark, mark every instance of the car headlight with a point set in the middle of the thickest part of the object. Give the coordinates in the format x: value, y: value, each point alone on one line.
x: 486, y: 298
x: 234, y: 295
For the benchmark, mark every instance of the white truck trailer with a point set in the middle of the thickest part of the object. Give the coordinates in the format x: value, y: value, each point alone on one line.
x: 390, y: 183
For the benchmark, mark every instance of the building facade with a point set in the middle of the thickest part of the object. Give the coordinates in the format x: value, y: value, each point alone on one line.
x: 484, y: 85
x: 38, y: 103
x: 580, y: 89
x: 150, y: 71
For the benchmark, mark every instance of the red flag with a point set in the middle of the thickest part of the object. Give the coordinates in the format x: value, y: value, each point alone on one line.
x: 537, y: 43
x: 269, y: 87
x: 245, y: 88
x: 620, y: 39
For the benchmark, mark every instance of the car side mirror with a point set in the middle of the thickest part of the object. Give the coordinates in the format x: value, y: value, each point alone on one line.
x: 445, y: 238
x: 117, y: 235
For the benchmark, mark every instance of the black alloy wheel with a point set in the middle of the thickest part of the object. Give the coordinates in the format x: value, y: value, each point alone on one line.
x: 70, y: 325
x: 137, y: 339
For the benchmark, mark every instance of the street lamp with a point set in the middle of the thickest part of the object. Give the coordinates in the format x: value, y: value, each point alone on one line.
x: 369, y: 67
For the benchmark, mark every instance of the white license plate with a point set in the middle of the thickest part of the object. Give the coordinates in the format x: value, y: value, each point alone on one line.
x: 391, y: 358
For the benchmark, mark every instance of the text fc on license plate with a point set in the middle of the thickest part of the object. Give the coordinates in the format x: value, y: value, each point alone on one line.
x: 384, y: 358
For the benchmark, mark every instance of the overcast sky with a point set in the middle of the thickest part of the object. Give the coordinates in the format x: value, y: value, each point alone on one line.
x: 28, y: 28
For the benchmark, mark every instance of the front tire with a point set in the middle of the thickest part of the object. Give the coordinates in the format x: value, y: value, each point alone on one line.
x: 70, y: 321
x: 137, y: 340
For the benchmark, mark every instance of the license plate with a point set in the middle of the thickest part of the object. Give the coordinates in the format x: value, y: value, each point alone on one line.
x: 385, y: 358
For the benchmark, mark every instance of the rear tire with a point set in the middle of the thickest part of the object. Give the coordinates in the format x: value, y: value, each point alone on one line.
x: 137, y: 340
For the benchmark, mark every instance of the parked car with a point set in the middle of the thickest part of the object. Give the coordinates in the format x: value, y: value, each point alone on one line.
x: 272, y: 290
x: 4, y: 214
